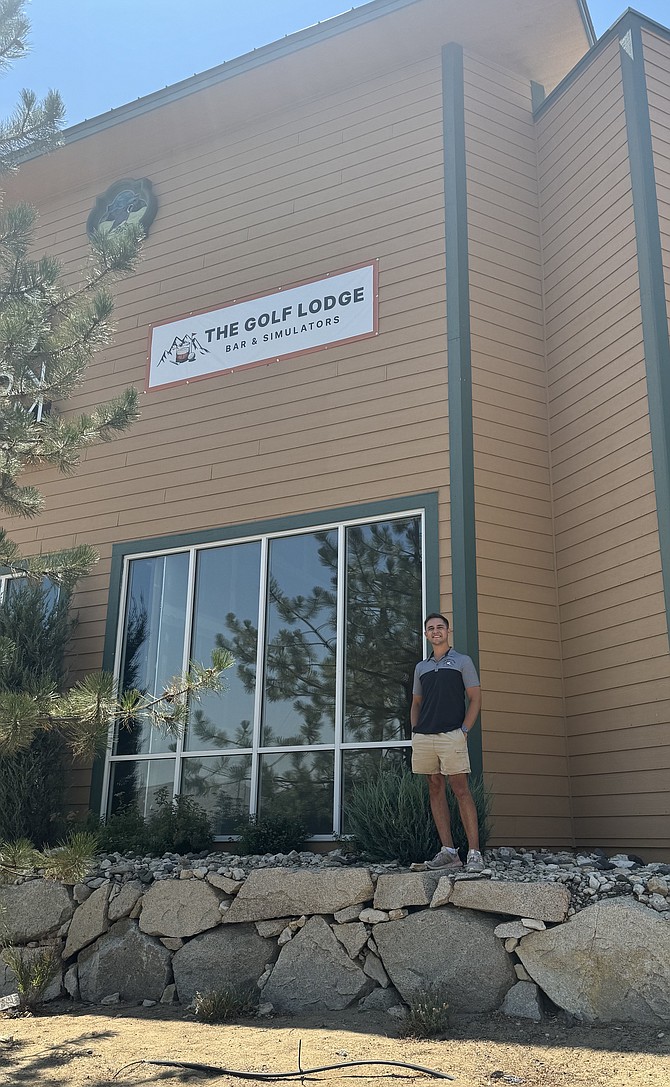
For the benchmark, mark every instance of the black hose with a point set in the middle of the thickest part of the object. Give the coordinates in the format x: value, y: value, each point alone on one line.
x: 214, y: 1070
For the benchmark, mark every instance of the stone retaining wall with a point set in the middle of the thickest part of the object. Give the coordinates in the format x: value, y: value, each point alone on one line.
x: 327, y: 939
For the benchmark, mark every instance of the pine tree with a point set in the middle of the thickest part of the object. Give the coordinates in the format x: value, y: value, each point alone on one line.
x: 49, y: 330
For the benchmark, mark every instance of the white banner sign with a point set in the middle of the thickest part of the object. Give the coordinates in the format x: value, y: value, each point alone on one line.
x: 340, y: 308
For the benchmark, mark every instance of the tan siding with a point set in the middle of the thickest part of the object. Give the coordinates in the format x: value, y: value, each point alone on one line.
x: 352, y: 176
x: 518, y: 619
x: 613, y: 622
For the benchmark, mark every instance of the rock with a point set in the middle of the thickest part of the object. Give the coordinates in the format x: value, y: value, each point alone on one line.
x: 610, y: 961
x: 223, y: 958
x: 175, y: 908
x: 380, y: 1000
x: 169, y: 993
x: 268, y: 929
x: 448, y: 950
x: 173, y: 943
x: 126, y: 960
x: 352, y: 936
x: 533, y: 923
x: 393, y: 892
x: 223, y: 883
x: 373, y: 917
x: 546, y: 901
x: 314, y: 973
x: 8, y: 977
x: 89, y: 921
x: 80, y: 892
x: 397, y: 915
x: 374, y: 969
x: 511, y: 930
x: 523, y: 1001
x: 349, y: 913
x: 511, y: 944
x: 521, y: 972
x: 125, y: 901
x: 278, y: 892
x: 443, y: 892
x: 264, y: 1009
x: 284, y: 936
x: 113, y: 998
x: 149, y: 1003
x: 34, y: 910
x: 71, y: 982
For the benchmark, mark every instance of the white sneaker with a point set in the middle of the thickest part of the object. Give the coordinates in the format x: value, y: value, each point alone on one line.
x: 446, y: 861
x: 475, y: 861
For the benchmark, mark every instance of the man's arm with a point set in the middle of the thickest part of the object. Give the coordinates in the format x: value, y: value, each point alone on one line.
x: 414, y: 711
x: 474, y: 706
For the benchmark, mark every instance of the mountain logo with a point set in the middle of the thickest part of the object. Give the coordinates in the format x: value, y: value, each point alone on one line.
x: 183, y: 349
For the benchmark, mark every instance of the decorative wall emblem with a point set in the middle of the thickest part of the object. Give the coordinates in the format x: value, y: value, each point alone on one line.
x: 131, y: 200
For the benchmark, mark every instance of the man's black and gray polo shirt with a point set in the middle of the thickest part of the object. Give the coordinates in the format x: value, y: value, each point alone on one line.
x: 441, y: 685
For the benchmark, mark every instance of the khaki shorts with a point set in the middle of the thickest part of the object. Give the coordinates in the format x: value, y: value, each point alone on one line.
x: 444, y: 753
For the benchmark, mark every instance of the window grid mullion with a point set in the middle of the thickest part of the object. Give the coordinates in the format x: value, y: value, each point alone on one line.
x: 185, y: 662
x: 260, y: 675
x: 340, y: 676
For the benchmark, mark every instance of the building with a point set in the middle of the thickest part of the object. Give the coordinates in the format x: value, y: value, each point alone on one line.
x: 482, y: 198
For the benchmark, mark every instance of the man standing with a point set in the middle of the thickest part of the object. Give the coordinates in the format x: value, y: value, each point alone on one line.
x: 440, y: 726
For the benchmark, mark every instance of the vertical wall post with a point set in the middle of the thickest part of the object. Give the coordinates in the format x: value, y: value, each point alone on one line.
x: 651, y: 276
x: 459, y: 366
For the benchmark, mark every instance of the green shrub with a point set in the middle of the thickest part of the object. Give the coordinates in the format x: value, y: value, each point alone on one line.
x: 428, y: 1016
x: 389, y: 817
x: 224, y: 1004
x: 261, y: 834
x: 173, y: 826
x: 34, y: 969
x: 36, y: 632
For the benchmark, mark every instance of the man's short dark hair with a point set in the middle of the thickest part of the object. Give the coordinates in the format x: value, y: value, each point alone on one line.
x: 436, y: 615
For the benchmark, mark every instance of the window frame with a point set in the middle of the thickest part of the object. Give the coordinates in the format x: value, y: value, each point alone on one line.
x: 422, y: 506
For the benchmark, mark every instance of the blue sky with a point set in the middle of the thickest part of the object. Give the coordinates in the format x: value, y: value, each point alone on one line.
x: 102, y: 53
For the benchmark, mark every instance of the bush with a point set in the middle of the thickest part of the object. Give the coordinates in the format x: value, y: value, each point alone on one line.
x: 38, y: 630
x: 261, y: 834
x: 173, y: 826
x: 33, y: 969
x: 389, y: 817
x: 224, y: 1004
x: 428, y: 1016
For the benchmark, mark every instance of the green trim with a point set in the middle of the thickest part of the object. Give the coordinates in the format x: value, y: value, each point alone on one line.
x: 616, y: 31
x: 651, y: 275
x: 587, y: 21
x: 426, y: 502
x: 459, y: 367
x: 537, y: 95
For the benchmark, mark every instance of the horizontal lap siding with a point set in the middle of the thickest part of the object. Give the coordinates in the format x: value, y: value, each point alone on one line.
x: 353, y: 176
x: 613, y: 624
x: 524, y: 741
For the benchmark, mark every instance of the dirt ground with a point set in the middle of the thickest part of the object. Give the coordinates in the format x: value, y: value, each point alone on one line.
x: 89, y: 1047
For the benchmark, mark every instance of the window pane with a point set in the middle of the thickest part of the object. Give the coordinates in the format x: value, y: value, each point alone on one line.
x: 222, y: 786
x: 383, y: 628
x: 359, y: 767
x: 299, y: 784
x: 299, y: 695
x: 153, y: 646
x: 226, y: 615
x: 136, y: 783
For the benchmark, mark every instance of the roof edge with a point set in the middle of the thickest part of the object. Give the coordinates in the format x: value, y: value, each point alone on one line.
x: 292, y: 43
x: 622, y: 24
x: 587, y: 21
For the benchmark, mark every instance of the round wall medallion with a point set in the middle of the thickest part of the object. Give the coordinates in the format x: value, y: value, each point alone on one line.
x: 131, y: 200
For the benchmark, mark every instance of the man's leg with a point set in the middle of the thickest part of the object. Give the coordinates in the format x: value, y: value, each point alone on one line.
x: 466, y: 806
x: 438, y: 805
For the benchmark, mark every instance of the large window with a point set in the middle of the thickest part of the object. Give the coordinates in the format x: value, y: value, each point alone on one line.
x: 325, y: 629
